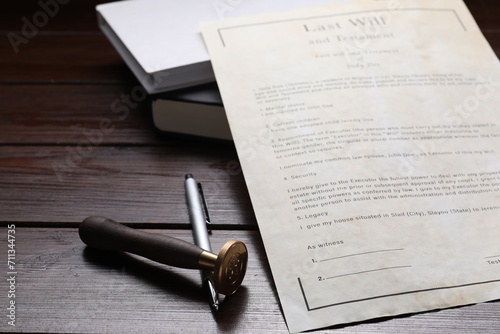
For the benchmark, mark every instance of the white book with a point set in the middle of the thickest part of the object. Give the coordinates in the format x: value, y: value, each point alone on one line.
x: 161, y: 42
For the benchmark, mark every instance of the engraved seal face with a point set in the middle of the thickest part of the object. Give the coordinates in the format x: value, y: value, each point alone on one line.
x: 230, y: 267
x: 234, y: 267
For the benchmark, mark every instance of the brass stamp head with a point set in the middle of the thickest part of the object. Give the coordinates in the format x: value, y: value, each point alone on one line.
x: 230, y: 267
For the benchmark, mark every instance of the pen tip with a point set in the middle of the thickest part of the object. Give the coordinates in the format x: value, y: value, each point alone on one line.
x: 189, y: 176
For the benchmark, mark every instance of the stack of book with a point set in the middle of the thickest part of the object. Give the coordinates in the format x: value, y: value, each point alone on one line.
x: 162, y: 44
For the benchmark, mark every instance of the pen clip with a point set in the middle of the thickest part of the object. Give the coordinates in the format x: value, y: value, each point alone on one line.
x: 205, y: 207
x: 213, y: 295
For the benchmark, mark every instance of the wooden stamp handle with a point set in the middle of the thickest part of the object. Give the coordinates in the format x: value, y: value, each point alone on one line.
x: 106, y: 234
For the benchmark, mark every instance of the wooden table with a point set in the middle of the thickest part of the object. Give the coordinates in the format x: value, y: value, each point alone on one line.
x: 66, y: 152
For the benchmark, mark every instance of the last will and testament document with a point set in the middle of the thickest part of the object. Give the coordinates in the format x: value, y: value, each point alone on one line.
x: 369, y: 137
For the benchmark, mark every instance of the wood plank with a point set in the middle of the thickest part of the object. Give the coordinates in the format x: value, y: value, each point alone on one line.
x: 494, y: 41
x: 66, y: 114
x: 62, y: 286
x: 69, y: 16
x: 56, y: 185
x: 486, y: 13
x: 66, y: 58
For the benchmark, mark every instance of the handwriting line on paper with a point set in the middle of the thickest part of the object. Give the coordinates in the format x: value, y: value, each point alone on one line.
x: 368, y: 271
x: 364, y: 253
x: 309, y: 308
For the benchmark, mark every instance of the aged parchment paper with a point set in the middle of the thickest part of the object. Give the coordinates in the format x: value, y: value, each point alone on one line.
x: 369, y: 137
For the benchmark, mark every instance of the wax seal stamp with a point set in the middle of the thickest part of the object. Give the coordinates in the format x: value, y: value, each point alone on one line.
x: 228, y: 268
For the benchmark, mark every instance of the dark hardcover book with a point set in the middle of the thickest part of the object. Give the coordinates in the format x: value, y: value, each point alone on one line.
x: 196, y: 110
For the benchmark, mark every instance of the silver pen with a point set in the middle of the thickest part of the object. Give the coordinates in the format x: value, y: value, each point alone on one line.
x: 200, y: 219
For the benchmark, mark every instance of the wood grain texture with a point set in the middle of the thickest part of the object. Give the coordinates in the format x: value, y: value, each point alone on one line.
x: 85, y: 58
x: 128, y: 184
x: 75, y: 114
x: 64, y: 286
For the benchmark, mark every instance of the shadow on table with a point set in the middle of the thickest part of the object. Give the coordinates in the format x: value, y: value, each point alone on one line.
x: 166, y: 278
x: 157, y: 275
